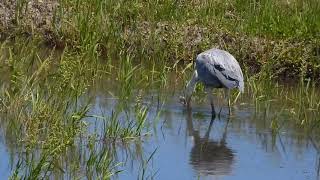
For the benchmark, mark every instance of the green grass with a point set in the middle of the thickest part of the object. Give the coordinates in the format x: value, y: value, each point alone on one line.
x: 137, y: 46
x: 282, y: 104
x: 43, y: 107
x: 283, y: 34
x: 39, y: 104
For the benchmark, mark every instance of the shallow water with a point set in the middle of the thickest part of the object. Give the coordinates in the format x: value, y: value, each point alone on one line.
x: 193, y: 145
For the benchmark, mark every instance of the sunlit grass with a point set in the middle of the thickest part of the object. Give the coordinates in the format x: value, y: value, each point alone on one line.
x: 44, y: 110
x: 137, y: 45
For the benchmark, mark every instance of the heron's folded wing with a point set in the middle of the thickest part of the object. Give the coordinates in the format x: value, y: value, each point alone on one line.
x: 228, y: 78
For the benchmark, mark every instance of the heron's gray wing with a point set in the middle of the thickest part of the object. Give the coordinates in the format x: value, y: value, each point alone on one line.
x: 228, y: 77
x: 223, y: 66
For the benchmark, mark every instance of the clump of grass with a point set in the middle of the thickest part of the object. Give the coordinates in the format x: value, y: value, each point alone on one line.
x: 124, y: 129
x: 39, y: 104
x: 100, y: 163
x: 126, y: 78
x: 295, y: 104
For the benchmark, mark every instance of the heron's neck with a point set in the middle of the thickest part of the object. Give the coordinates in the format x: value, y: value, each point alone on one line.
x: 191, y: 85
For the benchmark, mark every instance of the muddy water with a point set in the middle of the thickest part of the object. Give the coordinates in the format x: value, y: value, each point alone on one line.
x: 181, y: 144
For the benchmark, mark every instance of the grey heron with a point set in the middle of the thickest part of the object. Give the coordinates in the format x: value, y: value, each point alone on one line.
x: 215, y: 68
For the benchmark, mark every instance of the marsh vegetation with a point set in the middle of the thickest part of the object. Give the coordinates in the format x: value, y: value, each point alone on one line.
x: 92, y: 84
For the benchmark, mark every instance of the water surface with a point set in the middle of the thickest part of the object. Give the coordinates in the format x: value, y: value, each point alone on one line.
x: 192, y: 144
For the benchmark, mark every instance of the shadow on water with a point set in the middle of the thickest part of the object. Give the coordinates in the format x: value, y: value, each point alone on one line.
x: 210, y: 157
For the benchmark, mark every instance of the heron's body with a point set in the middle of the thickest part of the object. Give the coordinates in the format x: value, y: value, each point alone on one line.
x: 216, y: 68
x: 219, y: 69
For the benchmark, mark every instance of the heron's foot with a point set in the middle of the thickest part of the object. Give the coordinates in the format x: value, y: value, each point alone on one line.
x: 185, y: 102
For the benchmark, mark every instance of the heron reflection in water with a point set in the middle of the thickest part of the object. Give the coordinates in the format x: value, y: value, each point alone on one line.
x: 209, y: 157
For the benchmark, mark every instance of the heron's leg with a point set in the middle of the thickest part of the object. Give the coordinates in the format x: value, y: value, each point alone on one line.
x: 224, y: 135
x: 227, y: 96
x: 219, y: 115
x: 210, y: 96
x: 206, y: 137
x: 229, y: 104
x: 190, y: 87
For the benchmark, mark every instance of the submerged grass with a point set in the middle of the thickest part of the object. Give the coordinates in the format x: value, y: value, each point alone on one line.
x: 43, y: 109
x: 39, y: 104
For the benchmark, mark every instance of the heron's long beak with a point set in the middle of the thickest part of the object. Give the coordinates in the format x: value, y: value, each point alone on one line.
x: 189, y: 89
x: 182, y: 100
x: 185, y: 100
x: 188, y: 100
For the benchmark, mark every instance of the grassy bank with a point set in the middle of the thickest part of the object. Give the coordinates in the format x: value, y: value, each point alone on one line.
x: 277, y: 37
